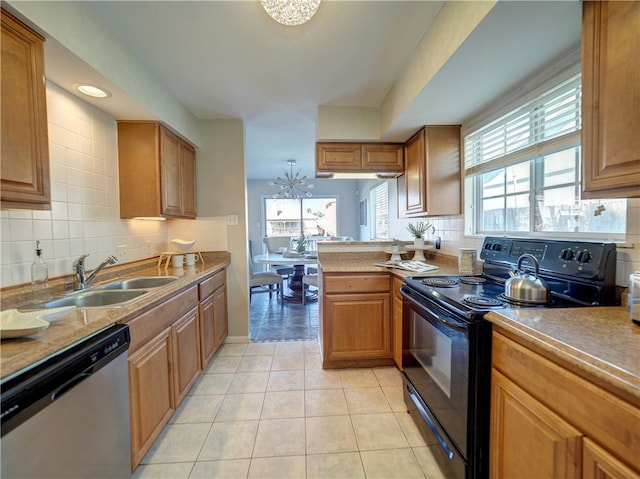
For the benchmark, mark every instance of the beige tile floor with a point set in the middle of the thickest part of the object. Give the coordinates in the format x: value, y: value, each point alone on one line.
x: 269, y: 410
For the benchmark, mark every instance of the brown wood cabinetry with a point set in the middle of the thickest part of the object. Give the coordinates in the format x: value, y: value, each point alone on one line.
x: 355, y: 320
x: 151, y: 395
x: 157, y: 171
x: 383, y: 158
x: 397, y: 322
x: 24, y: 160
x: 164, y: 362
x: 185, y: 337
x: 611, y: 99
x: 213, y: 314
x: 547, y: 422
x: 431, y: 183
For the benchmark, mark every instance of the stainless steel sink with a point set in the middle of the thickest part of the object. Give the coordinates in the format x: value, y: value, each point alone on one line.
x: 90, y: 299
x: 142, y: 282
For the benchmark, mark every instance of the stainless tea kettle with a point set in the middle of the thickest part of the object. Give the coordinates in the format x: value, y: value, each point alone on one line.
x: 524, y: 287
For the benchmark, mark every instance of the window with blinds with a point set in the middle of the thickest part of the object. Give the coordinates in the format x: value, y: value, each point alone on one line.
x: 542, y: 126
x: 379, y: 211
x: 522, y: 170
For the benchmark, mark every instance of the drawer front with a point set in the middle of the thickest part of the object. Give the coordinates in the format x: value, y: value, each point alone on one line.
x: 149, y: 324
x: 360, y: 283
x: 209, y: 285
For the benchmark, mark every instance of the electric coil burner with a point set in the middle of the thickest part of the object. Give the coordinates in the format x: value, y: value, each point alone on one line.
x: 447, y: 344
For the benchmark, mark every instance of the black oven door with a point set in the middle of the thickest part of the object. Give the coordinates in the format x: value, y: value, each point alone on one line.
x: 436, y: 362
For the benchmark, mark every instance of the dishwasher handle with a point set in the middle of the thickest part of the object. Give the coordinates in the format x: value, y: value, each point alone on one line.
x: 58, y: 393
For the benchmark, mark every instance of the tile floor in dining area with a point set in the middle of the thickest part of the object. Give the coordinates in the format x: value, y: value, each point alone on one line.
x: 269, y: 410
x: 271, y: 319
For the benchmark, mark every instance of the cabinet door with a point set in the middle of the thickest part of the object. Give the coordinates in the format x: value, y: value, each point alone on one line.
x: 207, y: 330
x: 383, y: 157
x: 611, y: 99
x: 151, y: 396
x: 338, y: 157
x: 188, y: 170
x: 357, y: 326
x: 443, y: 188
x: 186, y: 353
x: 529, y: 441
x: 397, y: 322
x: 412, y: 185
x: 24, y: 157
x: 221, y: 323
x: 600, y: 464
x: 170, y: 173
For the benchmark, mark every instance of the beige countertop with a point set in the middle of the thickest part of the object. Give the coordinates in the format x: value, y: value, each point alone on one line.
x: 364, y: 262
x: 601, y: 344
x: 18, y: 353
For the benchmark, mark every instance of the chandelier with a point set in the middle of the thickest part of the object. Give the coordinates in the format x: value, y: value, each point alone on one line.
x: 291, y: 186
x: 291, y: 12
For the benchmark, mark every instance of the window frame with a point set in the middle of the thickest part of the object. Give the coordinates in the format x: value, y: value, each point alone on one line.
x: 373, y: 210
x: 547, y: 81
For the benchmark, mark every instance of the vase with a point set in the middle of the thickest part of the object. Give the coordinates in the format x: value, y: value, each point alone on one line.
x: 418, y: 242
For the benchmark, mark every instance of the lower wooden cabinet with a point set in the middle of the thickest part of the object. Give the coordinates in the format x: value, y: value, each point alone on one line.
x: 356, y: 320
x: 185, y: 336
x: 213, y: 315
x: 528, y: 441
x: 548, y: 422
x: 397, y: 322
x: 151, y: 394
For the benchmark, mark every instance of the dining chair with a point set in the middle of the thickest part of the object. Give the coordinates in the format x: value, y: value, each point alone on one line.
x: 262, y: 279
x: 274, y: 243
x: 308, y: 280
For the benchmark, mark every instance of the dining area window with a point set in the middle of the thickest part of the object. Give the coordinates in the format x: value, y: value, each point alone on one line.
x: 316, y: 216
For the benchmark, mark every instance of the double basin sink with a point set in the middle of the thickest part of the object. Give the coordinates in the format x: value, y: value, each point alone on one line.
x: 111, y: 294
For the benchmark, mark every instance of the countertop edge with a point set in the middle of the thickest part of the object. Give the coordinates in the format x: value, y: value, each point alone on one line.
x: 592, y: 368
x: 21, y: 353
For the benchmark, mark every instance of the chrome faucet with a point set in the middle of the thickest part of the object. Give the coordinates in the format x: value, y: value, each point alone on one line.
x: 80, y: 279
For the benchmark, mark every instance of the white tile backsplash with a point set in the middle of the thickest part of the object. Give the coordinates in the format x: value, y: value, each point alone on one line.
x: 85, y: 210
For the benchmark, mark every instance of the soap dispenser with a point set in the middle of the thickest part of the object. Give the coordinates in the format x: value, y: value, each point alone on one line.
x: 39, y: 272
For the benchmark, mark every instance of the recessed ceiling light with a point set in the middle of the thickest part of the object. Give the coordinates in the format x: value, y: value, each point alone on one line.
x: 92, y: 90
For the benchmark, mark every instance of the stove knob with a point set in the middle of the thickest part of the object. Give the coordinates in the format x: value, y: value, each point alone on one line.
x: 567, y: 254
x: 584, y: 256
x: 496, y: 247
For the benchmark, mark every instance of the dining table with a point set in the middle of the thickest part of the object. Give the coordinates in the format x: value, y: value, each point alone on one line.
x: 296, y: 287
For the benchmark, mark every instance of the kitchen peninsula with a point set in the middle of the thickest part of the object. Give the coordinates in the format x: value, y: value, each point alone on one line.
x: 360, y: 304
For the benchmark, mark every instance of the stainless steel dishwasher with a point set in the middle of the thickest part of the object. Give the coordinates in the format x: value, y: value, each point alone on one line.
x: 68, y: 415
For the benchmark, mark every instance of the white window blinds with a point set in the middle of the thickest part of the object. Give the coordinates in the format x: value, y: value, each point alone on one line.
x: 547, y: 124
x: 379, y: 207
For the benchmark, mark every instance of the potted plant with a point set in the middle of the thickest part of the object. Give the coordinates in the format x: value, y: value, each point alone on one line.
x: 300, y: 243
x: 418, y: 231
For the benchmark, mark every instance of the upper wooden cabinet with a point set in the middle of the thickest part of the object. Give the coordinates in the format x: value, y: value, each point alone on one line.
x: 431, y: 184
x: 157, y: 171
x: 385, y: 159
x: 24, y: 160
x: 611, y: 99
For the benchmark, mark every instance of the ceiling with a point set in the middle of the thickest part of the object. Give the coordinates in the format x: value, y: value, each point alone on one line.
x: 228, y: 59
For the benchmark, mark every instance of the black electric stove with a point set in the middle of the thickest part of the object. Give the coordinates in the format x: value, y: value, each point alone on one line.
x: 447, y: 345
x: 577, y: 273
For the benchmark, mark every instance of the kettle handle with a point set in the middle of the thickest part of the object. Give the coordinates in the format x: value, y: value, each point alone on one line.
x: 533, y: 260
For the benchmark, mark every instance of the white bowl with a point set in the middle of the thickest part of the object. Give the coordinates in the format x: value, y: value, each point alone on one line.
x: 182, y: 245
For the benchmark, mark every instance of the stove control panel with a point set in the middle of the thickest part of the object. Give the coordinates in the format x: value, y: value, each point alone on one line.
x: 574, y: 258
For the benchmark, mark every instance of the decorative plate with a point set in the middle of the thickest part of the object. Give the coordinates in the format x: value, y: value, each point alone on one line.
x: 14, y: 324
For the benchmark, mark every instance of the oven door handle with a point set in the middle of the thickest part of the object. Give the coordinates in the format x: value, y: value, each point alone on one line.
x: 434, y: 430
x: 445, y: 321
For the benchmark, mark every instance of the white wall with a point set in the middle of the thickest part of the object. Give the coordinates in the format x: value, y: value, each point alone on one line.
x: 84, y: 216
